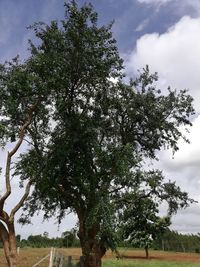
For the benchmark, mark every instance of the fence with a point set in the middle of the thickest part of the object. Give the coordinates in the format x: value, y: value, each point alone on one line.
x: 57, y: 259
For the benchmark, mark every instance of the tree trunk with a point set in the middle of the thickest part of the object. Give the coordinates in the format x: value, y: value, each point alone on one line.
x: 93, y: 257
x: 9, y: 244
x: 147, y: 252
x: 13, y: 245
x: 92, y: 249
x: 91, y: 261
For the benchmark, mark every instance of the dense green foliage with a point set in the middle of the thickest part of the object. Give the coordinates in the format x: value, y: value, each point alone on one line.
x: 90, y: 135
x: 140, y: 223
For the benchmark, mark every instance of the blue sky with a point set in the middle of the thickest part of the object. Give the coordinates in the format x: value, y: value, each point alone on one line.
x: 132, y: 18
x: 165, y: 34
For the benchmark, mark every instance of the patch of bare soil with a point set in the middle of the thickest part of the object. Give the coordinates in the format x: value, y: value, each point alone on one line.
x: 161, y: 255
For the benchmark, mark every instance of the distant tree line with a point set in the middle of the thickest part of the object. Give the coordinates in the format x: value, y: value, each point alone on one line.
x: 171, y: 241
x: 168, y: 241
x: 174, y: 241
x: 67, y: 239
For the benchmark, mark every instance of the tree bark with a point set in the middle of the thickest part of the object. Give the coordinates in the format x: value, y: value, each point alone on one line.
x: 7, y: 236
x: 92, y: 249
x: 92, y: 258
x: 13, y: 245
x: 7, y: 233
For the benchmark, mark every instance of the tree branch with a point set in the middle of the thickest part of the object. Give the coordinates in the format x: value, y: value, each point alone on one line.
x: 12, y: 152
x: 21, y: 202
x: 4, y: 216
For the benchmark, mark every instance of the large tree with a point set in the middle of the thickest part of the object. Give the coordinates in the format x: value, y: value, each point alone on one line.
x: 90, y: 136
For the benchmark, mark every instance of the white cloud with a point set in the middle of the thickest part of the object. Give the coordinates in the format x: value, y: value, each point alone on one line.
x: 157, y: 4
x: 154, y: 1
x: 142, y: 25
x: 192, y: 3
x: 187, y: 217
x: 184, y: 168
x: 188, y: 154
x: 185, y: 4
x: 174, y: 54
x: 178, y: 6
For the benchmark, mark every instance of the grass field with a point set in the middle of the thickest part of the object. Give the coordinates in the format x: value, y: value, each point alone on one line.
x: 154, y: 263
x: 131, y: 258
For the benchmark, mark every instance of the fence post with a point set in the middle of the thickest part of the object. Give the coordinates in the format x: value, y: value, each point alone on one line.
x: 69, y: 261
x: 55, y: 259
x: 81, y: 262
x: 51, y: 257
x: 58, y: 260
x: 61, y: 261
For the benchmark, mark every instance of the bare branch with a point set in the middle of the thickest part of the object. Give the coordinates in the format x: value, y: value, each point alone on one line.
x: 116, y: 190
x: 4, y: 216
x: 3, y: 232
x: 21, y: 202
x: 21, y: 137
x: 12, y: 152
x: 30, y: 143
x: 8, y: 163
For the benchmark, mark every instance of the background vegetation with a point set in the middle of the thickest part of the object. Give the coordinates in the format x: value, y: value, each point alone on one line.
x: 168, y: 241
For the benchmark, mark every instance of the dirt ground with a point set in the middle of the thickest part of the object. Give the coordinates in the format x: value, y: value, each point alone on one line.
x: 29, y: 256
x: 160, y: 255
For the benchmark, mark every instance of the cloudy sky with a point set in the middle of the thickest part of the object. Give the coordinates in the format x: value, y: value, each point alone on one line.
x: 165, y: 34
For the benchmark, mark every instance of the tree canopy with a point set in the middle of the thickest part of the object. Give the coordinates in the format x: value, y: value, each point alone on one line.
x: 89, y: 135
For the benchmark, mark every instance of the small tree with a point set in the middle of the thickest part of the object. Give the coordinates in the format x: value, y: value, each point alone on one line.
x: 140, y: 223
x: 139, y: 220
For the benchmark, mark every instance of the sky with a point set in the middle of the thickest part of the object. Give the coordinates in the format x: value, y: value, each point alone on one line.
x: 165, y: 34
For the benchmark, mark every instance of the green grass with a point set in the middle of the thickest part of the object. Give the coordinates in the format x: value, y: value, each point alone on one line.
x: 152, y: 263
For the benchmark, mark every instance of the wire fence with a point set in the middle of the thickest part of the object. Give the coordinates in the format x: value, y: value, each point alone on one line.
x: 57, y: 259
